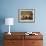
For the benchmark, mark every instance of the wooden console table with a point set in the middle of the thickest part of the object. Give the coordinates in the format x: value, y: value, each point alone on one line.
x: 20, y: 39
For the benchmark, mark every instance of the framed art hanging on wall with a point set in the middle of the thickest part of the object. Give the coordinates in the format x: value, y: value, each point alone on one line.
x: 26, y: 15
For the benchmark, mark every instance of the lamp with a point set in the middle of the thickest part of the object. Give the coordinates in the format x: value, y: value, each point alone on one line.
x: 9, y: 21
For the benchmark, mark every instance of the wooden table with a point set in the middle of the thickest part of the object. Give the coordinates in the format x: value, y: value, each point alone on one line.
x: 20, y: 39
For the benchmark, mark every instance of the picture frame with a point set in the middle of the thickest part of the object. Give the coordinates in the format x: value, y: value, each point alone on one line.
x: 26, y: 15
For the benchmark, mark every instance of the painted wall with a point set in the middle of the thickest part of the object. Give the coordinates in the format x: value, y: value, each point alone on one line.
x: 9, y: 8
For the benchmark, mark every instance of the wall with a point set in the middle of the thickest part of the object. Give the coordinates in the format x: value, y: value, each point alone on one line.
x: 9, y: 8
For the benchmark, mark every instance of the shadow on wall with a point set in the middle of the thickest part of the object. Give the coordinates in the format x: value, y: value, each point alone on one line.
x: 2, y: 21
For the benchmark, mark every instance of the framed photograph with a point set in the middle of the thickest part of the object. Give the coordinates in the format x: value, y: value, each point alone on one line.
x: 26, y: 15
